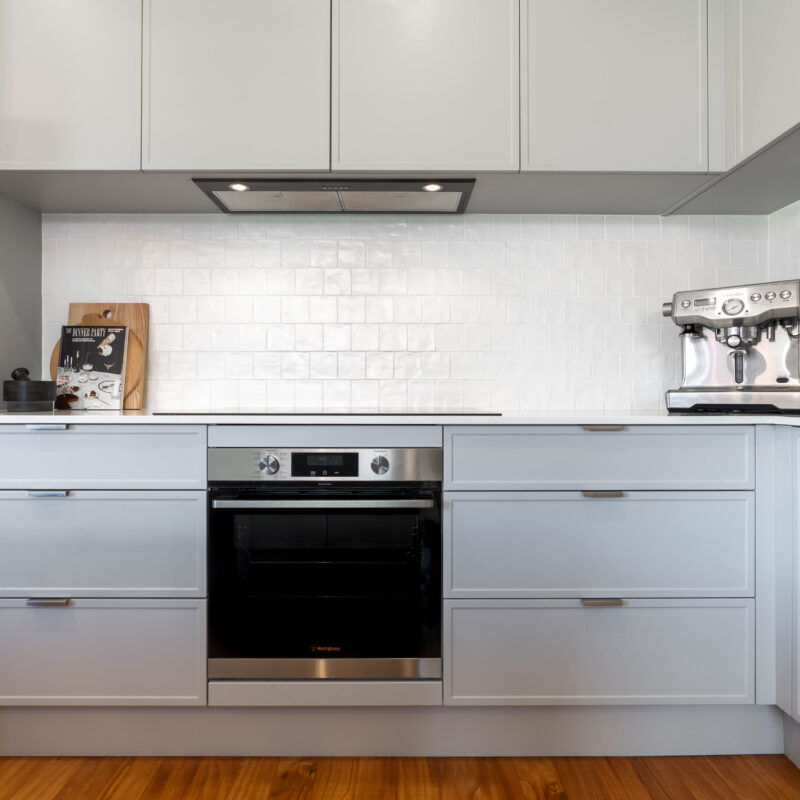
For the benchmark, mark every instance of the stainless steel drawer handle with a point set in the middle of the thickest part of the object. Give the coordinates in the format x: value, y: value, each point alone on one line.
x: 49, y: 602
x: 602, y: 602
x: 603, y: 494
x: 45, y: 427
x: 47, y: 494
x: 603, y: 427
x: 322, y: 504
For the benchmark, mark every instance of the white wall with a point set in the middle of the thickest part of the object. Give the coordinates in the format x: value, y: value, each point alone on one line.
x: 509, y: 312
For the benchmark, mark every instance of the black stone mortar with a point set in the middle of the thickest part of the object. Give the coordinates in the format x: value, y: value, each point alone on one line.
x: 23, y: 394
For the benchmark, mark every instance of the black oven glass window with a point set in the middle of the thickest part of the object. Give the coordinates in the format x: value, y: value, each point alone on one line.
x: 308, y: 582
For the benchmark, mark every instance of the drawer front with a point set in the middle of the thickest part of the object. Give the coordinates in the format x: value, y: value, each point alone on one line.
x: 324, y: 436
x: 103, y: 652
x: 564, y: 544
x: 641, y: 457
x: 67, y: 456
x: 103, y: 544
x: 324, y: 693
x: 557, y: 652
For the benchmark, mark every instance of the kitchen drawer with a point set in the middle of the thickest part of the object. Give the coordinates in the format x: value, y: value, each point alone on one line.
x: 558, y: 652
x: 103, y: 544
x: 103, y: 652
x: 565, y: 544
x: 67, y: 456
x: 599, y: 457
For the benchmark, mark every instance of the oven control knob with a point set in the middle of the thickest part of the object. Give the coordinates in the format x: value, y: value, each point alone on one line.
x: 380, y: 465
x: 270, y: 465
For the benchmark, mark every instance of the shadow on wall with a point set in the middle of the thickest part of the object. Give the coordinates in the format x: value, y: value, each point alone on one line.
x: 20, y: 288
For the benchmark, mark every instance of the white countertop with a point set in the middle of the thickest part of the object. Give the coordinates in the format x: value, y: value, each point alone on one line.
x: 300, y: 417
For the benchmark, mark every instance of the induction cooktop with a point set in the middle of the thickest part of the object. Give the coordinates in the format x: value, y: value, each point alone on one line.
x: 334, y: 412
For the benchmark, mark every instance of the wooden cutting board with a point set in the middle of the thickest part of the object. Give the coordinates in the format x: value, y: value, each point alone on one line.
x: 136, y: 318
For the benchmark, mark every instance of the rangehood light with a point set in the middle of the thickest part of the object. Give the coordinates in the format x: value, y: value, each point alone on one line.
x: 432, y: 187
x: 239, y: 187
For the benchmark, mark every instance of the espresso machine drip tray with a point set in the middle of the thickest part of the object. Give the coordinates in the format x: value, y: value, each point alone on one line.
x: 740, y: 348
x: 774, y: 401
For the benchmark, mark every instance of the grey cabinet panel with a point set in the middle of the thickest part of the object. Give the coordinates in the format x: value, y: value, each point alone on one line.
x: 103, y: 652
x: 558, y: 652
x: 103, y: 544
x: 74, y: 456
x: 571, y: 457
x: 324, y: 436
x: 324, y: 693
x: 562, y: 544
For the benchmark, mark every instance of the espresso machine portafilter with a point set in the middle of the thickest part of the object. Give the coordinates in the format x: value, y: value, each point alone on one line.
x: 740, y: 348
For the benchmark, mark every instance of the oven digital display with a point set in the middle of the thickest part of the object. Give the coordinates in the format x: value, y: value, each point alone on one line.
x: 326, y: 460
x: 325, y: 465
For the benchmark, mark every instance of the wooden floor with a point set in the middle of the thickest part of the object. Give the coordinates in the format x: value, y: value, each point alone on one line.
x: 695, y: 778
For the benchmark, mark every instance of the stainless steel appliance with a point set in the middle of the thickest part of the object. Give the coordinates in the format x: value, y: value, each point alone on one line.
x: 740, y: 348
x: 352, y: 196
x: 324, y: 563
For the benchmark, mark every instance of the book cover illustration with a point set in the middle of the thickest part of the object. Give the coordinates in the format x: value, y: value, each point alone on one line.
x: 91, y: 367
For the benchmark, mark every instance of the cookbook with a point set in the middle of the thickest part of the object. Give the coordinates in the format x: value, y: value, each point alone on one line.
x: 91, y: 367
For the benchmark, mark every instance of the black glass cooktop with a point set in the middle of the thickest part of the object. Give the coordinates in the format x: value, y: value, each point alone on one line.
x: 335, y: 412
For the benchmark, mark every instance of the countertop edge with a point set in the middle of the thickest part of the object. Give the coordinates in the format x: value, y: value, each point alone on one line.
x: 654, y: 417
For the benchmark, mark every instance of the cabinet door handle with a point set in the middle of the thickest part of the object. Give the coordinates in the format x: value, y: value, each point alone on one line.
x: 49, y: 602
x: 603, y: 494
x: 63, y: 493
x: 46, y: 427
x: 603, y: 427
x: 601, y: 602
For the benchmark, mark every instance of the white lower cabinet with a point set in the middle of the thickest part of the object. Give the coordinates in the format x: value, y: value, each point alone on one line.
x: 103, y: 652
x: 559, y: 652
x: 63, y: 455
x: 103, y: 544
x: 595, y: 544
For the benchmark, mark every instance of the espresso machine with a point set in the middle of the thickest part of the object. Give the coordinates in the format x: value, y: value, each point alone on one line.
x: 740, y: 348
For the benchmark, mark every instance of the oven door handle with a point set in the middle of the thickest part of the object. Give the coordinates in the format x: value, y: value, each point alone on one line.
x: 321, y: 504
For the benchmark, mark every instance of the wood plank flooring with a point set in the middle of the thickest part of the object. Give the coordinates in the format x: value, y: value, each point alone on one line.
x: 684, y: 778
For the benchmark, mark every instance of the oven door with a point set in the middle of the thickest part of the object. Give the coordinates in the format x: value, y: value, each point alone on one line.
x: 330, y: 582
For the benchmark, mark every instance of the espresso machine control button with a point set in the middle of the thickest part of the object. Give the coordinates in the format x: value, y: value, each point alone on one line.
x: 770, y: 295
x: 733, y: 306
x: 685, y: 303
x: 785, y: 294
x: 755, y: 297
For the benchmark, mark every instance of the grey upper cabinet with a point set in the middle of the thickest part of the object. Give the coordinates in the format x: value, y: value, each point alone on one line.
x: 70, y: 84
x: 239, y: 85
x: 763, y: 73
x: 617, y: 85
x: 422, y: 85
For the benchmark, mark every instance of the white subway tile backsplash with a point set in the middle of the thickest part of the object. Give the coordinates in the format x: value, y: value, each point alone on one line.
x: 503, y: 311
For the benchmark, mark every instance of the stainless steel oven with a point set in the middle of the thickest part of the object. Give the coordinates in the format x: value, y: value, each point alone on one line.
x: 325, y: 563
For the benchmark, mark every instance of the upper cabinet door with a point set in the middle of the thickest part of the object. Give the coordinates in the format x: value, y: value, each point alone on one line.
x: 70, y: 81
x: 615, y: 85
x: 236, y: 85
x: 764, y: 72
x: 425, y: 85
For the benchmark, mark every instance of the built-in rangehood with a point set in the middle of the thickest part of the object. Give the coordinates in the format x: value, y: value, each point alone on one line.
x: 362, y: 195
